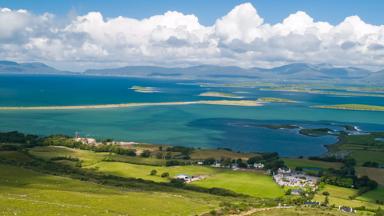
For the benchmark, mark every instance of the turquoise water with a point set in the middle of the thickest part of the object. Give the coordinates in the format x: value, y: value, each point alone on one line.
x: 207, y: 126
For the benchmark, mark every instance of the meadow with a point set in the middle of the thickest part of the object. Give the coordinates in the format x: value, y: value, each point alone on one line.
x: 346, y: 197
x: 306, y: 163
x: 25, y: 192
x: 255, y: 184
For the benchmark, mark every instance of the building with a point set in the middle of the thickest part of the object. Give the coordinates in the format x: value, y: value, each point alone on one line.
x: 84, y: 140
x: 284, y: 171
x: 346, y: 209
x: 183, y: 177
x: 296, y: 192
x: 258, y: 166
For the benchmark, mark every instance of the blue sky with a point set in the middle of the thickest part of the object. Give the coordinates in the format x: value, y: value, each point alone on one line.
x: 333, y: 11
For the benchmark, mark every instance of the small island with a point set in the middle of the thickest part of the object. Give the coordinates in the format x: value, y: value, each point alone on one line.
x: 276, y: 100
x: 219, y: 94
x: 143, y: 89
x: 362, y: 107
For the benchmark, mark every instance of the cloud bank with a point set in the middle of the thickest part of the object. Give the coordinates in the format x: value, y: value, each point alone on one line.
x: 241, y: 38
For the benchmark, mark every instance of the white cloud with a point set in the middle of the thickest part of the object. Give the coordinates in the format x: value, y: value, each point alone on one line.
x: 239, y: 38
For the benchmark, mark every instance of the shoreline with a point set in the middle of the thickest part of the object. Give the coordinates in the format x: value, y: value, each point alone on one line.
x: 124, y: 105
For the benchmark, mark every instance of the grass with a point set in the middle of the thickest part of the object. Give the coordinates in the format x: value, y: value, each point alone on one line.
x: 275, y: 100
x: 248, y: 183
x: 87, y: 157
x: 14, y: 155
x: 306, y: 163
x: 363, y: 107
x: 201, y: 154
x: 219, y: 94
x: 25, y: 192
x: 376, y: 174
x: 373, y: 196
x: 362, y: 148
x: 342, y: 196
x: 298, y: 211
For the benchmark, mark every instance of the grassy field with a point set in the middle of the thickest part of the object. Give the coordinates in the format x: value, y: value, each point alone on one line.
x: 341, y: 196
x: 249, y: 183
x: 298, y: 211
x: 376, y: 174
x: 305, y: 163
x: 373, y: 196
x: 14, y: 155
x: 25, y: 192
x: 88, y: 157
x: 362, y: 148
x: 200, y: 154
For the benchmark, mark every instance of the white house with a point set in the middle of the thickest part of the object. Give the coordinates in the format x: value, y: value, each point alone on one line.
x: 258, y: 165
x: 284, y: 171
x: 183, y: 177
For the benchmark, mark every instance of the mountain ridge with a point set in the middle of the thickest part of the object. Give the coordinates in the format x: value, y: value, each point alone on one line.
x: 289, y: 72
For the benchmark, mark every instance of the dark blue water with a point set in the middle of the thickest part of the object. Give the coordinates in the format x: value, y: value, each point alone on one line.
x: 204, y: 126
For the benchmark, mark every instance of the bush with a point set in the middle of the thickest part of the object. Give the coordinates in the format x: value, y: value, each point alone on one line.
x: 164, y: 175
x: 153, y: 172
x: 145, y: 153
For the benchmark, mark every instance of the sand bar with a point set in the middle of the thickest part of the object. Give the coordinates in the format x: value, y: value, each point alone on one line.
x: 107, y: 106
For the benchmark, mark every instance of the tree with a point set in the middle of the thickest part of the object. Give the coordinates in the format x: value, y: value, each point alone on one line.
x: 145, y: 153
x: 153, y: 172
x: 164, y: 175
x: 326, y: 193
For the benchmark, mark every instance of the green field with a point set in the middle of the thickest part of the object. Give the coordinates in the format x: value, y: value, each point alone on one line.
x: 25, y: 192
x: 87, y: 157
x: 342, y: 196
x: 362, y: 148
x: 298, y: 211
x: 305, y: 163
x: 201, y: 154
x: 376, y: 174
x: 373, y: 196
x: 249, y: 183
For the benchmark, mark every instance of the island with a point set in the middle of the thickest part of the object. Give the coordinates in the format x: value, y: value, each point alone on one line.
x: 219, y: 94
x: 108, y: 106
x: 362, y: 107
x: 276, y: 100
x: 143, y: 89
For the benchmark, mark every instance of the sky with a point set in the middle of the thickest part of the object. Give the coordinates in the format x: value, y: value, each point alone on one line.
x: 75, y: 35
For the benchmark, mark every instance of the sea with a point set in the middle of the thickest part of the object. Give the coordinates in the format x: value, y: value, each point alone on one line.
x: 200, y: 126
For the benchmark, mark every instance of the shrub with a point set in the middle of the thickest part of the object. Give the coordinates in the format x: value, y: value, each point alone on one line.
x: 164, y: 175
x: 153, y: 172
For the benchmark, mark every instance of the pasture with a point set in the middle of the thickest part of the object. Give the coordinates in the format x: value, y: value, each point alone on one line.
x: 249, y: 183
x: 343, y: 196
x: 25, y: 192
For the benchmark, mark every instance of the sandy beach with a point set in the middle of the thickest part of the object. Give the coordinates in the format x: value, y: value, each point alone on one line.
x: 107, y: 106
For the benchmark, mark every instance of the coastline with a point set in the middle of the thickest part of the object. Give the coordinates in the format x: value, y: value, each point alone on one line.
x: 124, y: 105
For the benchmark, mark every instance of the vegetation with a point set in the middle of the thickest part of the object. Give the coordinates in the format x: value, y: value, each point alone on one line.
x: 108, y: 170
x: 363, y: 107
x: 294, y: 163
x: 275, y: 100
x: 219, y: 94
x: 143, y: 89
x: 26, y: 192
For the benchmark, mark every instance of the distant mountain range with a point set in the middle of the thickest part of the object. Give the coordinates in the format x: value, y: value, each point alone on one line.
x: 297, y: 72
x: 11, y: 67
